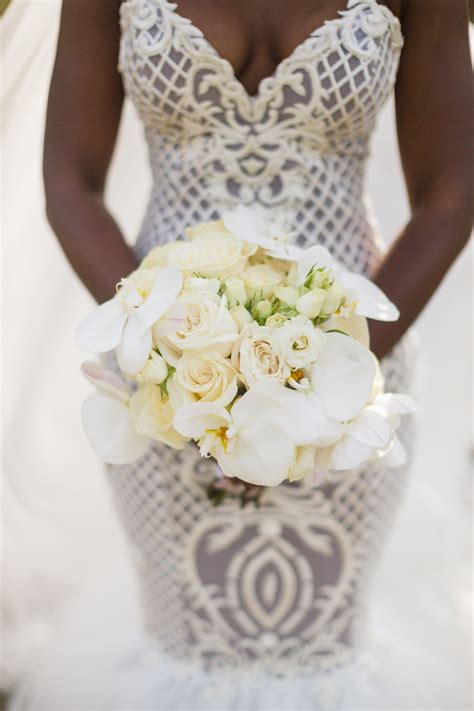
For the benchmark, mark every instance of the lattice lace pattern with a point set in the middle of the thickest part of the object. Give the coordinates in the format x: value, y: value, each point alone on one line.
x: 277, y: 589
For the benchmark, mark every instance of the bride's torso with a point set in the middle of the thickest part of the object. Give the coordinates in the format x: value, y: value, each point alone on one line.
x: 277, y: 587
x: 298, y: 146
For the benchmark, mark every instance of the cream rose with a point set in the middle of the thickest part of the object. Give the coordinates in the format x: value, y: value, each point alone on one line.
x: 276, y: 320
x: 256, y: 358
x: 261, y: 280
x: 335, y: 295
x: 310, y: 304
x: 206, y: 326
x: 207, y: 287
x: 241, y: 316
x: 212, y: 251
x: 287, y: 294
x: 235, y: 291
x: 208, y: 376
x: 152, y: 415
x: 298, y: 341
x: 263, y: 309
x: 155, y: 370
x: 159, y: 256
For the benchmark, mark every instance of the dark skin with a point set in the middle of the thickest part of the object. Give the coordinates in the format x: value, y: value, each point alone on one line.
x: 433, y: 104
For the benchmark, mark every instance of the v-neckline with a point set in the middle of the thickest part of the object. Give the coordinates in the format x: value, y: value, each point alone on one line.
x: 341, y: 14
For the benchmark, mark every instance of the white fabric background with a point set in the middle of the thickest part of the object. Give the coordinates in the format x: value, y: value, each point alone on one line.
x: 61, y: 541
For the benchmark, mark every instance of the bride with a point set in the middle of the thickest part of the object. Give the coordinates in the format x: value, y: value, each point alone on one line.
x: 273, y: 104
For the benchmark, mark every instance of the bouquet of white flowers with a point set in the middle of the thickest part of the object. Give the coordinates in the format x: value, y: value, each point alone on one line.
x: 250, y: 346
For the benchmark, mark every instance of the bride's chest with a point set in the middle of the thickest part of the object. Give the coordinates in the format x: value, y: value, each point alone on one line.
x: 327, y: 79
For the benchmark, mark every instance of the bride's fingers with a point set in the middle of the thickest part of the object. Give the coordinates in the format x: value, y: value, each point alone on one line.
x: 235, y: 485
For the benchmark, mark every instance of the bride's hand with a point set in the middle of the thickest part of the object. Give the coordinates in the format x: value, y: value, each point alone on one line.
x: 235, y: 485
x: 237, y: 488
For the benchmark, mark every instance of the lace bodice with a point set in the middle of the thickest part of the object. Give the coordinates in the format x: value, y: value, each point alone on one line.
x: 276, y: 588
x: 299, y: 145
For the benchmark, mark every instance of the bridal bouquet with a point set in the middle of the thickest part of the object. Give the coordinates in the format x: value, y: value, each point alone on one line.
x: 252, y: 347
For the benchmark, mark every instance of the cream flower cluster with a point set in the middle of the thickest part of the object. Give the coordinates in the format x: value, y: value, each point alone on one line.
x: 255, y: 349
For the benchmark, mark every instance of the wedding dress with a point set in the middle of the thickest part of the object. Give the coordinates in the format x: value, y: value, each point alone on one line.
x: 276, y: 591
x: 254, y: 608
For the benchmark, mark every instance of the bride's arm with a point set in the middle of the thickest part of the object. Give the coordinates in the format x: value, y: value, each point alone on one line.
x: 434, y: 116
x: 85, y: 103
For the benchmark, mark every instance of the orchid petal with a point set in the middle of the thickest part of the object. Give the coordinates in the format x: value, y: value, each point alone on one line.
x: 325, y: 430
x: 262, y: 455
x: 348, y: 453
x: 166, y: 288
x: 355, y: 326
x: 264, y: 401
x: 347, y: 372
x: 102, y: 329
x: 285, y: 251
x: 317, y: 256
x: 170, y: 322
x: 394, y: 455
x: 105, y: 381
x: 371, y: 301
x: 370, y: 428
x: 110, y: 431
x: 300, y: 413
x: 248, y: 225
x: 397, y: 403
x: 134, y: 348
x: 194, y: 419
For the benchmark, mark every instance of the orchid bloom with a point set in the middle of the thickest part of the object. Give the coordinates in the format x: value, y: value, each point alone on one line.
x: 106, y: 418
x: 252, y: 441
x: 251, y: 226
x: 335, y: 390
x: 368, y: 299
x: 125, y: 321
x: 370, y: 435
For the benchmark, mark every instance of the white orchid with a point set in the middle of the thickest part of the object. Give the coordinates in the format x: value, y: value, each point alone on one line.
x: 334, y: 390
x: 363, y: 295
x: 125, y: 321
x: 106, y: 418
x: 252, y: 226
x: 253, y: 441
x: 370, y: 435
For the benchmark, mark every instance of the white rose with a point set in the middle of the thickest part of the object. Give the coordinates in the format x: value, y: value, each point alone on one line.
x: 263, y: 309
x: 310, y: 304
x: 212, y: 251
x: 292, y: 278
x: 298, y: 341
x: 155, y: 370
x: 256, y: 358
x: 152, y: 415
x: 275, y: 321
x: 206, y: 326
x: 320, y: 278
x: 335, y: 295
x: 235, y: 290
x: 241, y: 316
x: 287, y: 294
x: 261, y: 280
x: 303, y: 464
x: 209, y: 287
x: 159, y: 256
x: 208, y: 376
